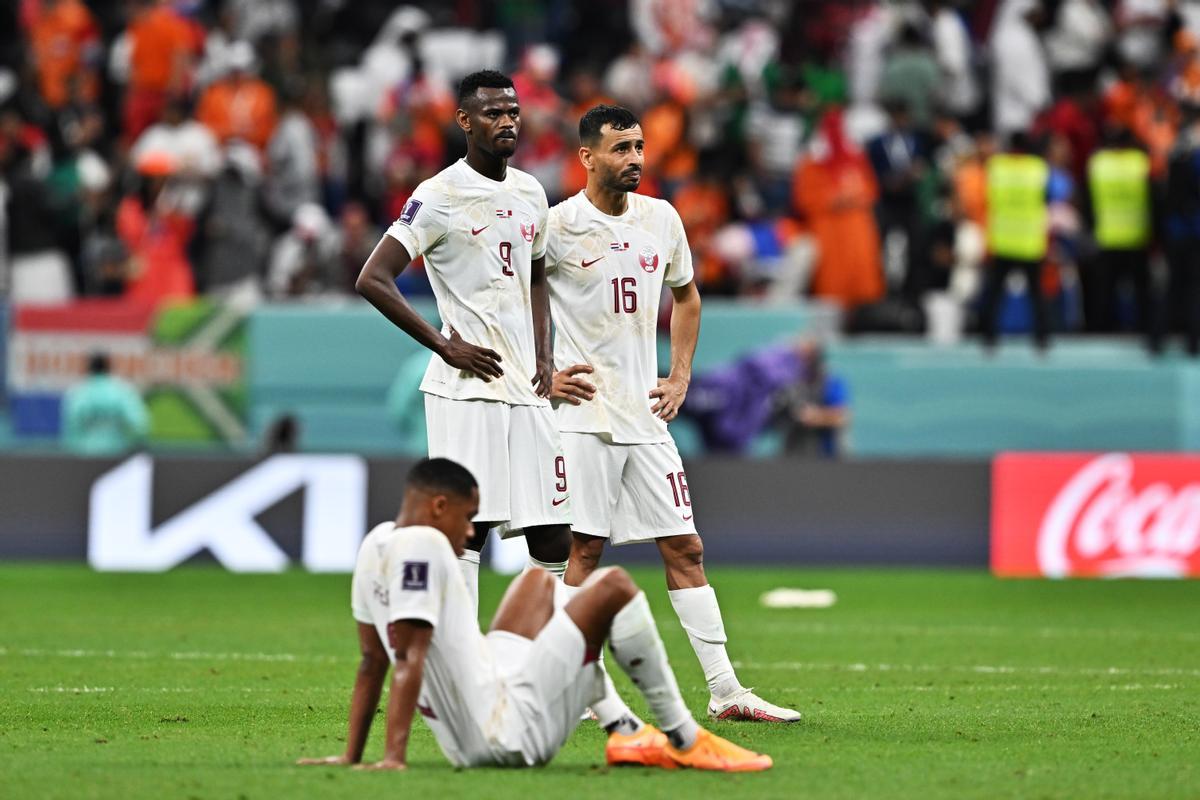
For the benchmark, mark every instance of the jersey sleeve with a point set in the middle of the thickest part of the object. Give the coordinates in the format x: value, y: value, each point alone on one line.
x: 424, y: 221
x: 554, y: 243
x: 543, y: 224
x: 359, y: 607
x: 679, y: 267
x: 417, y: 578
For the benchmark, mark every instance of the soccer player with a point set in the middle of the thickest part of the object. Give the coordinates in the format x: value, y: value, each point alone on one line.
x: 610, y: 252
x: 481, y: 226
x: 512, y: 697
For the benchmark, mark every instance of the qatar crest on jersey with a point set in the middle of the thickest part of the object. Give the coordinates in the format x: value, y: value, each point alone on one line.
x: 648, y: 258
x: 527, y: 231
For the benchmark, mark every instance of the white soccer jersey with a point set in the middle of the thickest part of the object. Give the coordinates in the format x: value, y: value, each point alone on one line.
x: 606, y: 276
x: 412, y: 573
x: 478, y: 237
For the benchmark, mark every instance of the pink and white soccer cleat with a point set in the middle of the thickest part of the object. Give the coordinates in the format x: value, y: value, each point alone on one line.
x: 746, y: 706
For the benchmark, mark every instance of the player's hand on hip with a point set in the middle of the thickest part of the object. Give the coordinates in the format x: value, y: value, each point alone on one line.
x: 572, y: 388
x: 327, y: 761
x: 386, y: 764
x: 543, y: 379
x: 668, y: 397
x: 479, y: 361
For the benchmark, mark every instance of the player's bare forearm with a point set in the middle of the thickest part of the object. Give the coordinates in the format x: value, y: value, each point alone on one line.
x: 685, y: 329
x: 671, y: 391
x: 368, y: 685
x: 539, y: 300
x: 411, y: 644
x: 377, y: 284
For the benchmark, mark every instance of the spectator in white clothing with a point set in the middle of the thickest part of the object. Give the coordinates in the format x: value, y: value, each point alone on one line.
x: 1020, y: 74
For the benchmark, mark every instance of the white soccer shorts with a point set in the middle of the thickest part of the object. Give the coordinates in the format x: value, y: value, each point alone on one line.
x: 627, y: 492
x: 548, y: 686
x: 515, y: 454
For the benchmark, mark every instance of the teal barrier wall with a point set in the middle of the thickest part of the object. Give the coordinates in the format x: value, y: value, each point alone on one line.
x: 910, y: 398
x: 332, y: 367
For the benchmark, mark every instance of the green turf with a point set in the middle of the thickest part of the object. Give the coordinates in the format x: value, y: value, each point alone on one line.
x: 198, y: 683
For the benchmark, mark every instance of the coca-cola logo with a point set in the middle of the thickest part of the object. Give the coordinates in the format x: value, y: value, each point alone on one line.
x: 1102, y: 523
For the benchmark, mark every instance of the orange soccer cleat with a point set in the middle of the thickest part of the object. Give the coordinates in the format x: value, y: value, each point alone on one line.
x: 646, y: 748
x: 711, y: 752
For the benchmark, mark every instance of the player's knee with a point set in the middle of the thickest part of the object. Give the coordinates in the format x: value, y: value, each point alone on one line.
x: 618, y: 583
x: 549, y: 543
x: 539, y: 580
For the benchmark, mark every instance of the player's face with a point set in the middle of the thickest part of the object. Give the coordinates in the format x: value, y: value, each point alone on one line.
x: 454, y: 519
x: 619, y: 157
x: 492, y: 119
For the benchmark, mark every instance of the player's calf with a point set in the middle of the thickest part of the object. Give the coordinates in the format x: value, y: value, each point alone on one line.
x: 586, y: 552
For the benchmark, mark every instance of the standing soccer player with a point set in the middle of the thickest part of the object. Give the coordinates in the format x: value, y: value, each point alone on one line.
x: 610, y: 252
x: 481, y: 226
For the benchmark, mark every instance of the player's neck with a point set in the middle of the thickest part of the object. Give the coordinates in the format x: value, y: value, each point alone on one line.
x: 486, y: 164
x: 613, y: 203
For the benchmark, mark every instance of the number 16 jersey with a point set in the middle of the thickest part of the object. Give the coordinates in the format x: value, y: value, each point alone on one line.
x: 478, y: 237
x: 606, y: 277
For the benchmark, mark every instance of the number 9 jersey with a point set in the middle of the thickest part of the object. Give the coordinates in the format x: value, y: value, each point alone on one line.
x: 606, y: 277
x: 478, y: 237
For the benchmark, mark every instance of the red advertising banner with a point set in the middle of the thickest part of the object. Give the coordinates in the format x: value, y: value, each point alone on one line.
x: 1064, y: 515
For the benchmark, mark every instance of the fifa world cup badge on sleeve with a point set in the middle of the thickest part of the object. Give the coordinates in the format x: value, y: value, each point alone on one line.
x: 410, y: 211
x: 416, y: 576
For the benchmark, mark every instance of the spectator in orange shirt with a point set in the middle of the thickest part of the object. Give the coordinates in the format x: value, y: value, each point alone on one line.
x: 65, y: 48
x: 157, y: 236
x: 835, y: 190
x: 240, y: 105
x: 161, y: 46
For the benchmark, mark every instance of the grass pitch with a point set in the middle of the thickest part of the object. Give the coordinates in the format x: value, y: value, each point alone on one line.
x: 202, y: 684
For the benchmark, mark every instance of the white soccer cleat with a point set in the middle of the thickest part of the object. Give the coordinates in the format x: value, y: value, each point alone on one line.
x: 746, y: 706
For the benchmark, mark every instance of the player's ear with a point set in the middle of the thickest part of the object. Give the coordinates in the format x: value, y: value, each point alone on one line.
x: 463, y: 119
x: 585, y: 157
x: 438, y: 504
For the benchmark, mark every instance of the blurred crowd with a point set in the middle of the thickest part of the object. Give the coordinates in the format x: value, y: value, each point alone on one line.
x: 862, y: 152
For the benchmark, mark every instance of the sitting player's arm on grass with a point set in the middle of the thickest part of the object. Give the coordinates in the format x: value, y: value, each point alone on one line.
x: 539, y: 301
x: 377, y: 284
x: 685, y: 330
x: 410, y: 640
x: 368, y: 685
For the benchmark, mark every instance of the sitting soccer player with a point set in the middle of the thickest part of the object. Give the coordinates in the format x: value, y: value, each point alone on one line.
x: 512, y: 697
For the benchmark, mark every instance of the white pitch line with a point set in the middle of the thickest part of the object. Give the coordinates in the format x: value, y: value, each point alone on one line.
x: 145, y: 655
x: 179, y: 689
x: 831, y: 628
x: 948, y: 689
x: 977, y: 669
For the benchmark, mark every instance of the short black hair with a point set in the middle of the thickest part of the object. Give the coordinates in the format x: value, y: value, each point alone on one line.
x: 483, y: 79
x: 441, y: 475
x: 591, y: 123
x: 98, y: 364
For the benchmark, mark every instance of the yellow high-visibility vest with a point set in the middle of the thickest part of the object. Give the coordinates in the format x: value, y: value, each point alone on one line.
x: 1120, y: 184
x: 1017, y: 215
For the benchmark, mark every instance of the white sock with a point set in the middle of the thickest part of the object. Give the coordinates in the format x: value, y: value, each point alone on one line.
x: 700, y: 617
x: 555, y: 568
x: 611, y: 711
x: 468, y: 562
x: 638, y: 649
